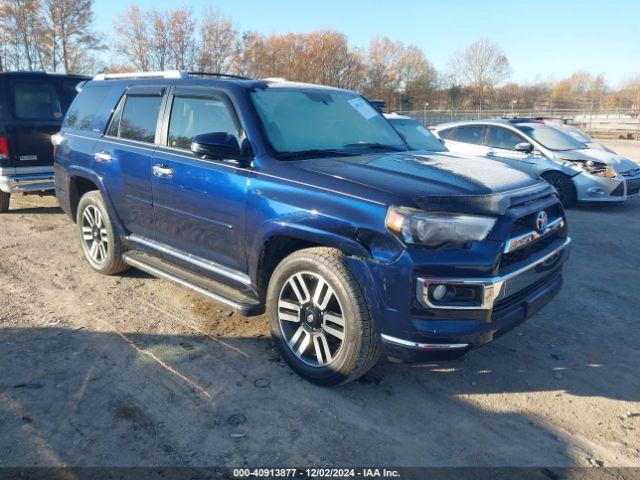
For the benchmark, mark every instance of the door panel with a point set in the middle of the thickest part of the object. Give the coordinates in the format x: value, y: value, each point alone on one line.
x: 126, y: 170
x: 501, y: 144
x: 37, y: 114
x: 200, y: 206
x: 200, y: 203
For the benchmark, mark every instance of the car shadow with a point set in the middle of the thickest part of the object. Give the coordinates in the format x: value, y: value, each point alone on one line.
x: 108, y: 396
x: 33, y: 210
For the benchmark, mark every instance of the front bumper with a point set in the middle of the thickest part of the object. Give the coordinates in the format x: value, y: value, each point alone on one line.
x: 508, y: 300
x: 27, y: 182
x: 591, y: 188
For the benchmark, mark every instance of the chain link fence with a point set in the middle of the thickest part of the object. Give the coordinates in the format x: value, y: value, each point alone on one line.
x: 603, y: 123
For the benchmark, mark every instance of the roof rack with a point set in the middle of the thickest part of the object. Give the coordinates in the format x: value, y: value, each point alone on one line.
x: 165, y: 74
x: 217, y: 74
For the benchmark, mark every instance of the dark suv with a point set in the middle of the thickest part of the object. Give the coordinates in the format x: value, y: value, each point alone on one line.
x: 32, y: 105
x: 303, y: 201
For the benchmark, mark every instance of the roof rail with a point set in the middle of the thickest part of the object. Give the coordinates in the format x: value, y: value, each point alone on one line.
x: 164, y: 74
x: 217, y: 74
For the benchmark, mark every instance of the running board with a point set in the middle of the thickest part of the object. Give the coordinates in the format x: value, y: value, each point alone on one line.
x: 231, y: 298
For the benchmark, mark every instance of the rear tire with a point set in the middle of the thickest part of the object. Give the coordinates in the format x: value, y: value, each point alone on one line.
x: 100, y: 242
x: 565, y: 187
x: 5, y: 198
x: 319, y: 318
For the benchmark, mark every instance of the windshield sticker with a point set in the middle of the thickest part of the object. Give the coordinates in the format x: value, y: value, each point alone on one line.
x: 363, y: 108
x: 423, y: 131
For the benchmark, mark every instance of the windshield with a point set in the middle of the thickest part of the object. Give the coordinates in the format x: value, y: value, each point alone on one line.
x: 418, y: 137
x: 551, y: 138
x: 575, y: 133
x: 314, y: 121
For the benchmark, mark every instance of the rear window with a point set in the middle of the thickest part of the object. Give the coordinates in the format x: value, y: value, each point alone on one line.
x: 85, y: 107
x: 139, y: 118
x: 35, y: 100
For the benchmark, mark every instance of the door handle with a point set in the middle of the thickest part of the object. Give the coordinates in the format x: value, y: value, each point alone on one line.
x: 103, y: 157
x: 491, y: 153
x: 162, y: 171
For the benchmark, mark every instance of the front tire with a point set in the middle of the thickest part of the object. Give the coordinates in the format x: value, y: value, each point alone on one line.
x: 100, y: 242
x: 565, y: 187
x: 5, y: 198
x: 319, y: 318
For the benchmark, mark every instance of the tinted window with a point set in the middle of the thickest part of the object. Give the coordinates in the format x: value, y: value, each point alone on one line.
x: 469, y: 134
x: 139, y: 118
x: 36, y: 101
x: 445, y: 133
x: 498, y: 137
x: 85, y: 107
x: 68, y: 92
x: 194, y: 116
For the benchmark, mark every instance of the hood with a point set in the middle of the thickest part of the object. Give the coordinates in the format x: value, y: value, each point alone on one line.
x: 440, y: 180
x: 617, y: 162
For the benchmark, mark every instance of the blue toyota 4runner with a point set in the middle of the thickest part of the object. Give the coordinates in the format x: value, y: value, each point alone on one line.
x: 303, y: 201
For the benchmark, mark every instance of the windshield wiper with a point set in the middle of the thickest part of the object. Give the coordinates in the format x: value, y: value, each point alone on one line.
x: 379, y: 146
x: 313, y: 152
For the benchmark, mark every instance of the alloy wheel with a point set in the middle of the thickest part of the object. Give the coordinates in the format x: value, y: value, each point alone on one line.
x: 95, y: 234
x: 311, y: 319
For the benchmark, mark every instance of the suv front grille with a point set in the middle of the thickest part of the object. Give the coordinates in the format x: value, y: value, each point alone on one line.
x: 526, y: 241
x: 530, y: 250
x: 528, y: 222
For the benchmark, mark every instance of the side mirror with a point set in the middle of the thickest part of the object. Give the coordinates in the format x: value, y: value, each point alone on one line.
x: 524, y: 147
x: 220, y: 145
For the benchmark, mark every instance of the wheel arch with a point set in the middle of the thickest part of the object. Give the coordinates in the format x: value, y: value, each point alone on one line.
x: 84, y: 181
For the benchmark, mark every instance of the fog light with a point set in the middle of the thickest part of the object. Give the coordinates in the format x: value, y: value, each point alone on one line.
x: 595, y: 191
x: 442, y: 295
x: 438, y: 292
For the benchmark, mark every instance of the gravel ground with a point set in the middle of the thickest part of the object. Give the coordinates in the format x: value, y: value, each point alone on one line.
x: 135, y: 371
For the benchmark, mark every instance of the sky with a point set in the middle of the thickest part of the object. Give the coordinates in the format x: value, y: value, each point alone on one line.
x: 543, y: 39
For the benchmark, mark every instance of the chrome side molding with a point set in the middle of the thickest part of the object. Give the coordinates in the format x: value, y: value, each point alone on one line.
x: 192, y: 259
x: 423, y: 346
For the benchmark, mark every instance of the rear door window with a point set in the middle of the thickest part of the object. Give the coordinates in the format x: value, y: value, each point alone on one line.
x: 139, y: 118
x: 498, y: 137
x: 35, y: 100
x: 85, y: 107
x: 194, y: 116
x: 468, y: 134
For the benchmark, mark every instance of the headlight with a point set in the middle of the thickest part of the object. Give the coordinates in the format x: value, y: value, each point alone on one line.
x: 591, y: 167
x: 437, y: 229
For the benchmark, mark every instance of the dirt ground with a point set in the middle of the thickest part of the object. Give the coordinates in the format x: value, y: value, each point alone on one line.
x: 135, y: 371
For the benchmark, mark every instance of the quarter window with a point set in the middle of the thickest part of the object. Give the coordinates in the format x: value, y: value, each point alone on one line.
x: 468, y: 134
x: 85, y: 107
x: 139, y: 118
x: 498, y: 137
x: 191, y: 116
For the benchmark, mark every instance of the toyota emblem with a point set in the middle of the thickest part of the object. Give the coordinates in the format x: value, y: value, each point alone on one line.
x: 541, y: 221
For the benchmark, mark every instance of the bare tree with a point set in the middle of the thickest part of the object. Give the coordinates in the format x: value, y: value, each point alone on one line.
x: 481, y: 66
x: 183, y: 46
x: 21, y: 29
x: 133, y: 38
x: 219, y: 43
x: 67, y: 34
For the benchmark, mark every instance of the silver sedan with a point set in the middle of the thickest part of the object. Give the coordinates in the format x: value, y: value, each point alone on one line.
x: 578, y: 172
